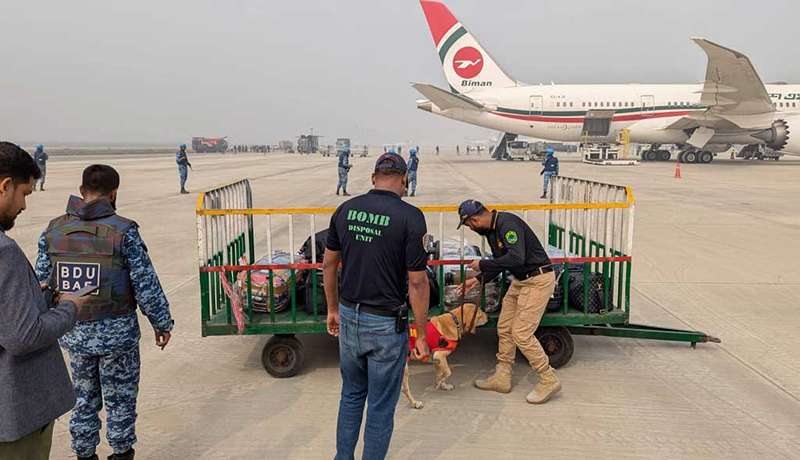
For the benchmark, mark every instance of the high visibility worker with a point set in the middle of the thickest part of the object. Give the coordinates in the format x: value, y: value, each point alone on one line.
x: 344, y: 169
x: 549, y: 169
x: 183, y: 164
x: 91, y: 245
x: 516, y: 249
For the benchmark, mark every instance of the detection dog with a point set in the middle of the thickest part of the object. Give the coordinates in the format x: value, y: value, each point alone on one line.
x: 443, y: 335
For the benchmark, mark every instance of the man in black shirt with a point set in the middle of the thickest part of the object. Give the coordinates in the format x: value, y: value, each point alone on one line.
x: 516, y: 249
x: 378, y: 239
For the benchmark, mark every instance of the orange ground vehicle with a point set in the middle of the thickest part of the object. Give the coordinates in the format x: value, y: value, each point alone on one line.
x: 209, y: 144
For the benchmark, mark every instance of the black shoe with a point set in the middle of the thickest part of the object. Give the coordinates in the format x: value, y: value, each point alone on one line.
x: 93, y: 457
x: 543, y: 196
x: 337, y: 192
x: 345, y: 193
x: 184, y: 191
x: 127, y: 455
x: 413, y: 193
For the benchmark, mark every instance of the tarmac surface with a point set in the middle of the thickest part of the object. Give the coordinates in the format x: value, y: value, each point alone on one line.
x: 714, y: 251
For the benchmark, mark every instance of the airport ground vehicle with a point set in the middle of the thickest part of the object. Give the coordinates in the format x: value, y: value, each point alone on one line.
x: 518, y: 150
x: 209, y: 144
x: 307, y: 143
x: 342, y: 143
x: 589, y: 224
x: 758, y: 152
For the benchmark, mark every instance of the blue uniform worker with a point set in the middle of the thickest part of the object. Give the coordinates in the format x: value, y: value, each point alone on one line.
x: 413, y: 166
x: 183, y: 166
x: 344, y: 170
x: 40, y: 157
x: 549, y: 169
x: 92, y: 245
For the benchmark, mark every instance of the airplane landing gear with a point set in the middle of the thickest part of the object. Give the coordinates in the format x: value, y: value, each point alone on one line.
x: 696, y: 156
x: 654, y: 153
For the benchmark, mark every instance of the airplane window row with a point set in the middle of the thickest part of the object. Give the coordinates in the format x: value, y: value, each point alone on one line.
x: 785, y: 104
x: 563, y: 104
x: 678, y: 104
x: 607, y: 104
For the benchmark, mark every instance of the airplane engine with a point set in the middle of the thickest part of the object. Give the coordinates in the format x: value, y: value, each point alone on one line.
x: 778, y: 136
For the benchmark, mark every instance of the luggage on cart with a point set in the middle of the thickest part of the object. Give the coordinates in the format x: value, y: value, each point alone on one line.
x: 595, y: 300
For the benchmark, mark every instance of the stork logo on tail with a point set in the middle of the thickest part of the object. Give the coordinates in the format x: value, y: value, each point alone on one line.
x: 468, y: 62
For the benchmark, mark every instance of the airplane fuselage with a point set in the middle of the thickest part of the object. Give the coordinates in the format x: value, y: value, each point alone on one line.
x: 558, y: 112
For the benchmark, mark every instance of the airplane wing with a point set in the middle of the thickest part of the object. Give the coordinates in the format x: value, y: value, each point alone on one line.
x: 446, y: 100
x: 732, y: 91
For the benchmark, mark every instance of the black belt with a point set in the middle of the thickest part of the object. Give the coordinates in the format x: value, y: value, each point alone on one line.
x: 539, y: 271
x: 389, y: 312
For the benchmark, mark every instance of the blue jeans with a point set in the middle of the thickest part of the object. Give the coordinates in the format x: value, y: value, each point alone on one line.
x: 546, y: 182
x: 372, y: 358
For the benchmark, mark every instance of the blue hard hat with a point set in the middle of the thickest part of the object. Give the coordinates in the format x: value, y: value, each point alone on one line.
x: 39, y: 147
x: 183, y: 146
x: 412, y: 152
x: 550, y: 150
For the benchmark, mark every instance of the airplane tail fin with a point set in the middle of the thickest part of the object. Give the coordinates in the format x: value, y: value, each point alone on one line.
x: 467, y: 66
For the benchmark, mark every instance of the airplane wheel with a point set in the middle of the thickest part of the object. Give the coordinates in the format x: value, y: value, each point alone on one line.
x: 680, y: 157
x: 706, y: 157
x: 690, y: 157
x: 650, y: 155
x: 664, y: 155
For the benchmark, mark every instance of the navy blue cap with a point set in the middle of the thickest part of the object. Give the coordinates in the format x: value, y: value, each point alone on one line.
x: 391, y: 163
x: 468, y: 209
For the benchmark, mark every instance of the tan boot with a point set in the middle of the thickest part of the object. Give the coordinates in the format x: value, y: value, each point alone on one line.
x: 500, y: 381
x: 548, y: 386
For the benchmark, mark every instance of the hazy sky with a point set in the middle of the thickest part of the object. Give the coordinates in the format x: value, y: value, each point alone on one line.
x: 260, y: 71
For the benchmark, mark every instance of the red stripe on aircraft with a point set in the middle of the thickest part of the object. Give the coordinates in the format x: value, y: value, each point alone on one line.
x: 439, y: 18
x: 630, y: 117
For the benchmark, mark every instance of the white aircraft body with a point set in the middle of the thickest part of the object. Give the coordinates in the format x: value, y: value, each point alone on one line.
x: 732, y: 105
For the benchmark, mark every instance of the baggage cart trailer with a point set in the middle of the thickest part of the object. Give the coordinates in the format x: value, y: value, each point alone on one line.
x: 589, y: 233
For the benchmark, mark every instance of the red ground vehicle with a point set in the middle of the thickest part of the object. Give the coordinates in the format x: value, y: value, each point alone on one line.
x: 209, y: 144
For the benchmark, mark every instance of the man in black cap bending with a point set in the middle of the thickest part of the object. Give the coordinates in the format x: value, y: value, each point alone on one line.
x: 515, y: 249
x: 378, y: 239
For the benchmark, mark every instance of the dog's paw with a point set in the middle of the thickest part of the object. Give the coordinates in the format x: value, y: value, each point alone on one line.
x: 444, y: 386
x: 418, y: 405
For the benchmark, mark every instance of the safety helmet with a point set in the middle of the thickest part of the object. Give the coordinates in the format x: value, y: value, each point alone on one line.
x: 39, y: 147
x: 550, y: 151
x: 182, y: 146
x: 412, y: 152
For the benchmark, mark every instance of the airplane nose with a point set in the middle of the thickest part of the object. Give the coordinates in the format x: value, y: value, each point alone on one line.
x: 424, y: 104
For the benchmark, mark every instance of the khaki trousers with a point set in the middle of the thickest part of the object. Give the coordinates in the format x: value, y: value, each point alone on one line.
x: 523, y: 307
x: 35, y: 446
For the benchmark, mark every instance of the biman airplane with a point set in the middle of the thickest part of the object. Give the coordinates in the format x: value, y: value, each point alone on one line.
x: 732, y: 106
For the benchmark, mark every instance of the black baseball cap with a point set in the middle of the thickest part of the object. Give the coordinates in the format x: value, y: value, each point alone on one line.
x: 391, y: 163
x: 468, y: 209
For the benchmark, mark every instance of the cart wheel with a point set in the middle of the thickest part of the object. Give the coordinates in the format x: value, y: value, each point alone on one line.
x: 282, y: 356
x: 557, y: 343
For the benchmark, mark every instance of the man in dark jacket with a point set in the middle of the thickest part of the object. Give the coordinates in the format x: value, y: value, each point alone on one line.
x: 34, y: 385
x: 40, y: 157
x: 549, y: 169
